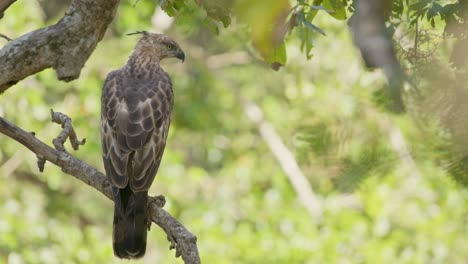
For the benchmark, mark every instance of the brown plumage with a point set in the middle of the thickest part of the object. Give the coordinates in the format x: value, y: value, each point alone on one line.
x: 137, y: 102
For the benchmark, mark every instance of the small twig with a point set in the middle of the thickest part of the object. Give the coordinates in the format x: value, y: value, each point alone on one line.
x: 5, y: 37
x: 138, y: 32
x: 67, y: 132
x: 40, y: 159
x: 40, y: 162
x: 310, y: 200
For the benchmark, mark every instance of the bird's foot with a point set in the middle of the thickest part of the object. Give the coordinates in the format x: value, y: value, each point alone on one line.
x: 160, y: 200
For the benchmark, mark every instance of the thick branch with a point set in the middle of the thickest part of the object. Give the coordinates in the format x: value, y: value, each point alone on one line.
x: 65, y: 46
x: 185, y: 242
x: 309, y: 199
x: 4, y: 5
x: 371, y: 37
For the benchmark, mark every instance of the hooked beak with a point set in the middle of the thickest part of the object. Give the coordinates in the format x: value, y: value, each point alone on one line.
x: 180, y: 55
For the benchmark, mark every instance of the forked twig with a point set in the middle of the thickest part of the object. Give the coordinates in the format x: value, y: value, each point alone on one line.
x: 67, y: 132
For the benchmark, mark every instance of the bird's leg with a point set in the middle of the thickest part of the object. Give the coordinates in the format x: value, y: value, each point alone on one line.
x: 160, y: 200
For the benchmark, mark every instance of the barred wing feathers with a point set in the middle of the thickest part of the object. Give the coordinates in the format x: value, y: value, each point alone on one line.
x: 135, y: 118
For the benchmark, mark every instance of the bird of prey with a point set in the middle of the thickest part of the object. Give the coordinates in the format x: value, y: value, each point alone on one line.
x: 136, y: 108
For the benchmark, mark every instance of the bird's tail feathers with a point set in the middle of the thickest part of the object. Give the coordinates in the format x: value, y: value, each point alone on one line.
x: 130, y: 223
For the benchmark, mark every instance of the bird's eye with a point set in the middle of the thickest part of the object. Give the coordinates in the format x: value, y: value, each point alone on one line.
x: 170, y: 46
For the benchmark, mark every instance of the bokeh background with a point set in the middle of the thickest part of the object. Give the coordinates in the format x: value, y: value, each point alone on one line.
x: 385, y: 183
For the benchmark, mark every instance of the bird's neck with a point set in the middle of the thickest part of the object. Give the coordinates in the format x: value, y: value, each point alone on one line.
x: 144, y: 58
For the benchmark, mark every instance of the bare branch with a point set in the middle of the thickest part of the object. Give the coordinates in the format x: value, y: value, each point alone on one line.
x: 65, y: 46
x: 185, y: 242
x: 285, y: 158
x: 181, y: 239
x: 5, y: 37
x: 4, y: 5
x: 371, y: 37
x: 67, y: 132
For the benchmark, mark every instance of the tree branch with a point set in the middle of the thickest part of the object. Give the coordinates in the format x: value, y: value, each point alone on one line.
x: 67, y: 132
x: 4, y: 5
x: 65, y: 46
x: 285, y: 158
x: 312, y: 201
x: 181, y: 239
x: 5, y: 37
x: 371, y: 37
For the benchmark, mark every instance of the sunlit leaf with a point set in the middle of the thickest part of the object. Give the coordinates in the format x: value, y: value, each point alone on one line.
x: 309, y: 25
x: 219, y: 11
x: 277, y: 57
x: 319, y: 7
x: 267, y: 21
x: 337, y: 6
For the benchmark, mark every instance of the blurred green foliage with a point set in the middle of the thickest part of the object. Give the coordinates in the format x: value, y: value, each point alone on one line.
x: 218, y: 175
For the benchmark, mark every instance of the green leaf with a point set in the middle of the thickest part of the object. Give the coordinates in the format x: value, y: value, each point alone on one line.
x: 397, y: 8
x: 276, y: 57
x: 338, y: 8
x: 306, y: 42
x: 433, y: 11
x: 301, y: 20
x: 172, y: 7
x: 167, y: 7
x: 218, y: 11
x: 319, y: 7
x: 211, y: 25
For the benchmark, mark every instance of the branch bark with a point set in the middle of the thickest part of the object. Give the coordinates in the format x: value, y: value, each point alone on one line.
x: 65, y: 46
x: 371, y: 37
x: 181, y: 239
x: 67, y: 132
x: 4, y: 5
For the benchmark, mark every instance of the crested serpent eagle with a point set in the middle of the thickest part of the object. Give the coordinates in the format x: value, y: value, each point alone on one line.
x: 137, y: 102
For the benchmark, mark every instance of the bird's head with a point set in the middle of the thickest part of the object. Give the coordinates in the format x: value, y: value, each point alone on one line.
x: 158, y: 45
